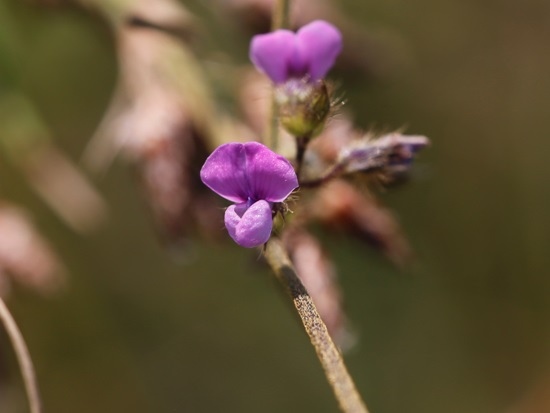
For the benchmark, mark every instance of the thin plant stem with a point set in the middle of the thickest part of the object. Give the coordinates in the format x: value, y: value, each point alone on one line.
x: 342, y: 384
x: 281, y: 15
x: 23, y: 358
x: 281, y: 20
x: 301, y: 146
x: 273, y: 135
x: 334, y: 171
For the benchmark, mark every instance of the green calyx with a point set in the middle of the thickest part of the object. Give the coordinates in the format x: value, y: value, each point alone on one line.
x: 303, y: 106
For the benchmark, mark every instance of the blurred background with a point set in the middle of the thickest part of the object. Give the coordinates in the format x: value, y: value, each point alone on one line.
x: 129, y: 324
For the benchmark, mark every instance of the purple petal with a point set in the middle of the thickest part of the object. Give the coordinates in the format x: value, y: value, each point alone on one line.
x: 320, y: 43
x: 271, y: 176
x: 298, y: 62
x: 249, y: 227
x: 272, y: 52
x: 224, y: 172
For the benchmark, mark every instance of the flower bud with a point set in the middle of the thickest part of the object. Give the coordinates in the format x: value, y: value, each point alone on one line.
x: 303, y: 106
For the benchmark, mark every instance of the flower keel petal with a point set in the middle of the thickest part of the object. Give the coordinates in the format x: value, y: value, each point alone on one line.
x: 253, y: 228
x: 232, y: 219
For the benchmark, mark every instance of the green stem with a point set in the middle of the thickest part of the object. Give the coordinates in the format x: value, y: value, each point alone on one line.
x: 273, y: 137
x: 23, y: 358
x: 331, y: 359
x: 281, y: 15
x: 281, y: 20
x: 301, y: 146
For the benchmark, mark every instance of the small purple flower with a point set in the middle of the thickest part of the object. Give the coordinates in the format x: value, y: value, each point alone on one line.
x: 254, y: 177
x: 283, y: 54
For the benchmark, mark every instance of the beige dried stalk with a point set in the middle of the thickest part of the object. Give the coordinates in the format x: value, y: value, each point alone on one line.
x: 342, y: 384
x: 23, y: 358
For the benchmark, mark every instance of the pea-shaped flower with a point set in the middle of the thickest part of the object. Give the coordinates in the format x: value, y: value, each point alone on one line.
x: 297, y: 63
x: 310, y: 52
x: 254, y: 177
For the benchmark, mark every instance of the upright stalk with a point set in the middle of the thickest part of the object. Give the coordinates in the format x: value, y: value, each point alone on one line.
x: 23, y: 358
x: 281, y: 15
x: 336, y: 372
x: 280, y: 20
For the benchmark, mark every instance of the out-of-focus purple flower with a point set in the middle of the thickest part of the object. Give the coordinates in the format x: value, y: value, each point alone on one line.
x: 393, y: 152
x: 283, y: 54
x: 254, y: 177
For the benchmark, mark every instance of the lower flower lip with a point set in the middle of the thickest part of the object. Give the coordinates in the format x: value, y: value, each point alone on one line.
x: 249, y: 226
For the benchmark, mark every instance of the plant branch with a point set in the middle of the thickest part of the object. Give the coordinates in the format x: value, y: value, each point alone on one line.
x: 301, y: 146
x: 23, y: 358
x: 342, y: 384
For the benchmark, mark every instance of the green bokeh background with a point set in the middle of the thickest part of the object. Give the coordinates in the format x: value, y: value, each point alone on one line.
x: 466, y: 329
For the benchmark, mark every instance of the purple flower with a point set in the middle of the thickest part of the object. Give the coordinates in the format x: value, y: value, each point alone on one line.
x: 283, y: 54
x: 254, y: 177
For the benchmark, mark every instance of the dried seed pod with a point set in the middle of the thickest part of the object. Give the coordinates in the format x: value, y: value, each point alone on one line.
x: 28, y: 144
x: 341, y: 206
x: 65, y: 189
x: 161, y: 116
x: 24, y: 255
x: 169, y: 173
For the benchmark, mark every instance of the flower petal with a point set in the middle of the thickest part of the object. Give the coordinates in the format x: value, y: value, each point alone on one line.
x: 249, y: 227
x: 320, y: 42
x: 224, y: 172
x: 271, y: 176
x: 272, y: 52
